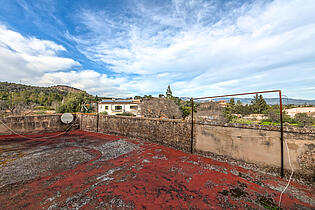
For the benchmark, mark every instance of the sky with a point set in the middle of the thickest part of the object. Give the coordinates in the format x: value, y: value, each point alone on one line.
x: 118, y: 48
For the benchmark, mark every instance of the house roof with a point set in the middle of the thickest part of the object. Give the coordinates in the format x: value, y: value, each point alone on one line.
x: 119, y: 101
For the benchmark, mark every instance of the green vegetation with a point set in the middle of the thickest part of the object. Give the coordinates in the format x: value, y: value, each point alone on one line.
x: 126, y: 114
x: 184, y: 106
x: 76, y: 102
x: 258, y: 104
x: 186, y: 110
x: 241, y: 121
x: 39, y: 112
x: 44, y: 108
x: 169, y: 93
x: 269, y: 123
x: 17, y: 98
x: 303, y: 120
x: 234, y: 113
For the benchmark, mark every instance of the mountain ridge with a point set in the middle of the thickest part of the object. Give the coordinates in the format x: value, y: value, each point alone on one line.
x: 15, y: 87
x: 270, y: 101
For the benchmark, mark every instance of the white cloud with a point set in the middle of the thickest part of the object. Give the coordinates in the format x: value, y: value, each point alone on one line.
x: 199, y: 47
x: 89, y: 80
x: 36, y: 62
x: 27, y: 45
x: 25, y: 58
x: 200, y: 42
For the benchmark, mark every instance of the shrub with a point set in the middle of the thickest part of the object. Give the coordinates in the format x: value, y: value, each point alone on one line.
x: 185, y: 111
x: 126, y: 114
x: 104, y: 113
x: 303, y: 119
x: 44, y: 108
x: 241, y: 121
x: 40, y: 112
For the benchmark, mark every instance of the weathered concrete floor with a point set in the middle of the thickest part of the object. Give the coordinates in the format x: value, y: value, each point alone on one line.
x: 89, y: 170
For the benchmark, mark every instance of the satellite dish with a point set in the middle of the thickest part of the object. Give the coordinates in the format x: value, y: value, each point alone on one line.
x: 66, y: 118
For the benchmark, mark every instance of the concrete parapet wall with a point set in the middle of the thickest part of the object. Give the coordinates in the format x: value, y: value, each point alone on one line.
x: 259, y: 144
x: 32, y: 124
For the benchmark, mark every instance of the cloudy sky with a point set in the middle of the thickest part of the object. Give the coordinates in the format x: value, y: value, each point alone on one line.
x: 136, y: 47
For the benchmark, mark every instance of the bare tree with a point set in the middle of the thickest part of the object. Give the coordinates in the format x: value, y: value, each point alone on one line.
x: 210, y: 111
x: 160, y: 108
x: 15, y: 104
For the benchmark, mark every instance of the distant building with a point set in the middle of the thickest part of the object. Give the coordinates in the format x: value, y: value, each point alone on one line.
x: 308, y: 110
x: 119, y: 106
x: 222, y: 103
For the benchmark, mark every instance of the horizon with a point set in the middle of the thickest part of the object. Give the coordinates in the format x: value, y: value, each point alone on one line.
x: 129, y: 48
x: 250, y: 96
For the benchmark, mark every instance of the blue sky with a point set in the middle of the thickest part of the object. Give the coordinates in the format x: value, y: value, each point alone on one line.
x: 127, y: 48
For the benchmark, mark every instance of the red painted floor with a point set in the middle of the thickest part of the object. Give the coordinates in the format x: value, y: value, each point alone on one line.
x: 88, y: 170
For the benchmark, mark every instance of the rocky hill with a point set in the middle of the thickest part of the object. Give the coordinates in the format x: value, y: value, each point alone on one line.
x: 66, y: 88
x: 14, y: 87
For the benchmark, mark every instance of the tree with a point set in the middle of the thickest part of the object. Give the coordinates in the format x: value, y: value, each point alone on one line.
x: 186, y: 110
x: 15, y: 103
x: 303, y: 119
x: 147, y: 97
x: 75, y: 102
x: 273, y: 114
x: 232, y: 102
x: 258, y: 104
x: 241, y: 109
x: 169, y: 93
x: 161, y: 95
x: 229, y: 110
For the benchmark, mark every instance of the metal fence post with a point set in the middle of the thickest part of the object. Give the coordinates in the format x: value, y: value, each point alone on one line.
x: 281, y: 134
x: 192, y: 126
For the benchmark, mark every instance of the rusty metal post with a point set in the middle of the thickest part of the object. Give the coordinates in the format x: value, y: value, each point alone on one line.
x: 98, y: 116
x: 281, y: 134
x: 192, y: 126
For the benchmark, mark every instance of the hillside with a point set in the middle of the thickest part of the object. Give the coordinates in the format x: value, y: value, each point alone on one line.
x: 19, y: 98
x: 14, y: 87
x: 66, y: 88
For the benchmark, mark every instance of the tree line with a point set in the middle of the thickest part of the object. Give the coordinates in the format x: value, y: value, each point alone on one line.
x: 17, y: 98
x: 271, y: 113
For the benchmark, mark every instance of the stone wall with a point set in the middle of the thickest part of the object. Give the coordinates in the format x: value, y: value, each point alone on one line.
x: 33, y: 124
x: 259, y: 145
x: 175, y: 133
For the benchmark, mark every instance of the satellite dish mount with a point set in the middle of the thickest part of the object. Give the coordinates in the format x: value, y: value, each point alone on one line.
x: 67, y: 118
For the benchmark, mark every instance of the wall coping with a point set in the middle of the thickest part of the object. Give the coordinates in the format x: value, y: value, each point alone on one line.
x: 286, y: 129
x: 34, y: 115
x: 138, y: 118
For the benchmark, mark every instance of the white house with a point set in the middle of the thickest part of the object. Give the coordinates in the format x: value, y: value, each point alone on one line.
x: 119, y: 106
x: 308, y: 110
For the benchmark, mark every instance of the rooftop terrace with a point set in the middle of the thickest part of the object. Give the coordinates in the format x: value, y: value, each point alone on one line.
x: 86, y: 170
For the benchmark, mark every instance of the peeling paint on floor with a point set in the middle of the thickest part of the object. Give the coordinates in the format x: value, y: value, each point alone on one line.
x: 85, y: 170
